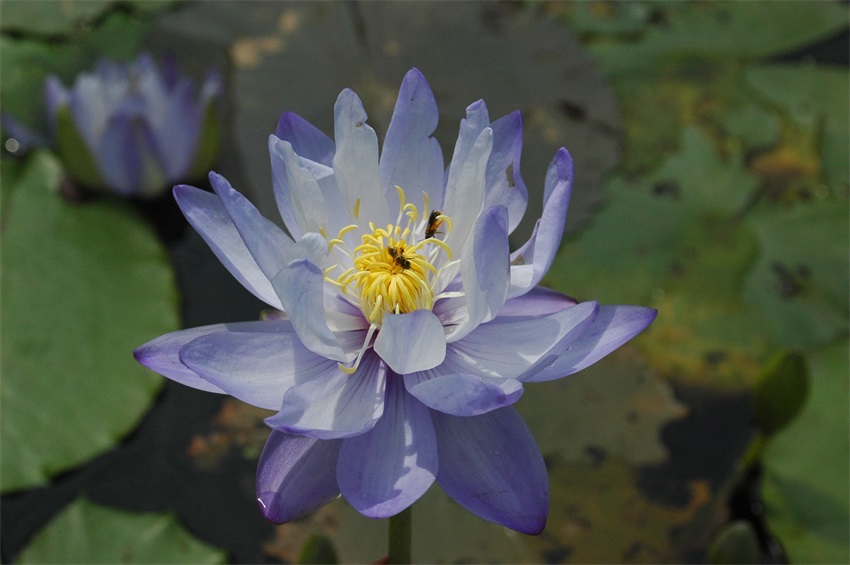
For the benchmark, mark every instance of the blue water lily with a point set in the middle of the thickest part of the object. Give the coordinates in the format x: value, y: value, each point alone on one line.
x: 130, y: 128
x: 402, y: 326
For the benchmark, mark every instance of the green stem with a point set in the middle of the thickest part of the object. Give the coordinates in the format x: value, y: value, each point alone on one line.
x: 400, y: 528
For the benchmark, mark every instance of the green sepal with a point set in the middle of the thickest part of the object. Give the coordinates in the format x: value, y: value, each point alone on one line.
x: 736, y: 543
x: 73, y: 152
x: 780, y: 392
x: 208, y: 143
x: 318, y: 549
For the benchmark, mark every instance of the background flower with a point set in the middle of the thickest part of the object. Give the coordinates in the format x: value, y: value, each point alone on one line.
x: 404, y: 327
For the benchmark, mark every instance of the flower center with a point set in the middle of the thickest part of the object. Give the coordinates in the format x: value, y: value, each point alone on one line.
x: 393, y: 269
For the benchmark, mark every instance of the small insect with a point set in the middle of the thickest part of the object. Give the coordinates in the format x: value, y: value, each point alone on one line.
x: 398, y: 255
x: 433, y: 223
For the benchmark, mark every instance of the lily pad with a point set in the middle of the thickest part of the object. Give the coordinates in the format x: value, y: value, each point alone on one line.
x: 806, y: 491
x: 800, y: 281
x: 82, y: 287
x: 815, y: 96
x: 673, y: 240
x: 565, y: 415
x: 89, y: 533
x: 748, y: 29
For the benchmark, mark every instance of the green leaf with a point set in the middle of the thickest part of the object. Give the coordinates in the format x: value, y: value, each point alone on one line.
x: 815, y: 96
x: 318, y: 549
x: 75, y: 155
x: 82, y: 287
x: 49, y: 16
x: 736, y: 543
x: 748, y: 30
x: 806, y: 492
x: 780, y: 392
x: 673, y: 240
x: 800, y: 281
x: 85, y: 532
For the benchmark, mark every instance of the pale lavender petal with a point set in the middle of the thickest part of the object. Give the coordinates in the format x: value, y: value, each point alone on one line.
x: 491, y: 466
x: 539, y: 301
x: 465, y: 395
x: 355, y: 162
x: 411, y: 158
x: 505, y: 186
x: 295, y: 476
x: 411, y: 342
x: 508, y: 347
x: 465, y: 184
x: 531, y: 262
x: 485, y: 271
x: 209, y: 217
x: 55, y: 97
x: 300, y: 286
x: 384, y: 471
x: 299, y: 198
x: 257, y: 368
x: 336, y: 406
x: 177, y: 129
x: 266, y: 242
x: 306, y: 139
x: 90, y: 108
x: 614, y: 326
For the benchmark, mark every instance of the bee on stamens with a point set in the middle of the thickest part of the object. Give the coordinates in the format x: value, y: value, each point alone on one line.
x: 398, y: 255
x: 433, y: 224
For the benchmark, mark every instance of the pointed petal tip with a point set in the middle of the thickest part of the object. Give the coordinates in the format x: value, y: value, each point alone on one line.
x: 269, y: 504
x: 564, y: 162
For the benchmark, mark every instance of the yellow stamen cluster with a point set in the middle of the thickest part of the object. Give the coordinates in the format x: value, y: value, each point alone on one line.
x: 391, y: 273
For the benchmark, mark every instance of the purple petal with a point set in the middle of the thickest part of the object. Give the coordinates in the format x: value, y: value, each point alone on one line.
x: 209, y: 217
x: 509, y: 347
x: 119, y: 154
x: 539, y: 301
x: 337, y: 406
x: 491, y: 466
x: 295, y: 476
x: 382, y: 472
x: 614, y: 326
x: 465, y: 395
x: 162, y: 355
x: 307, y: 140
x: 55, y: 97
x: 505, y: 186
x: 355, y: 162
x: 178, y: 129
x: 531, y: 261
x: 411, y: 342
x: 485, y: 271
x: 265, y: 241
x: 411, y: 158
x: 300, y: 286
x: 257, y: 368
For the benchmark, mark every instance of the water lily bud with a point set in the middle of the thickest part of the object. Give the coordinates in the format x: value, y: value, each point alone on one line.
x: 132, y: 129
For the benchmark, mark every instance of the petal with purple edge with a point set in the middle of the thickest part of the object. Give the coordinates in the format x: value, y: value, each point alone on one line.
x: 530, y: 262
x: 355, y: 162
x: 614, y: 326
x: 296, y: 475
x: 490, y: 465
x: 509, y: 347
x: 119, y: 154
x: 411, y: 158
x: 307, y: 140
x: 411, y: 342
x: 264, y: 240
x: 209, y: 217
x: 337, y: 406
x: 485, y: 271
x: 300, y: 286
x: 465, y: 395
x: 382, y: 472
x: 505, y: 186
x: 257, y: 368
